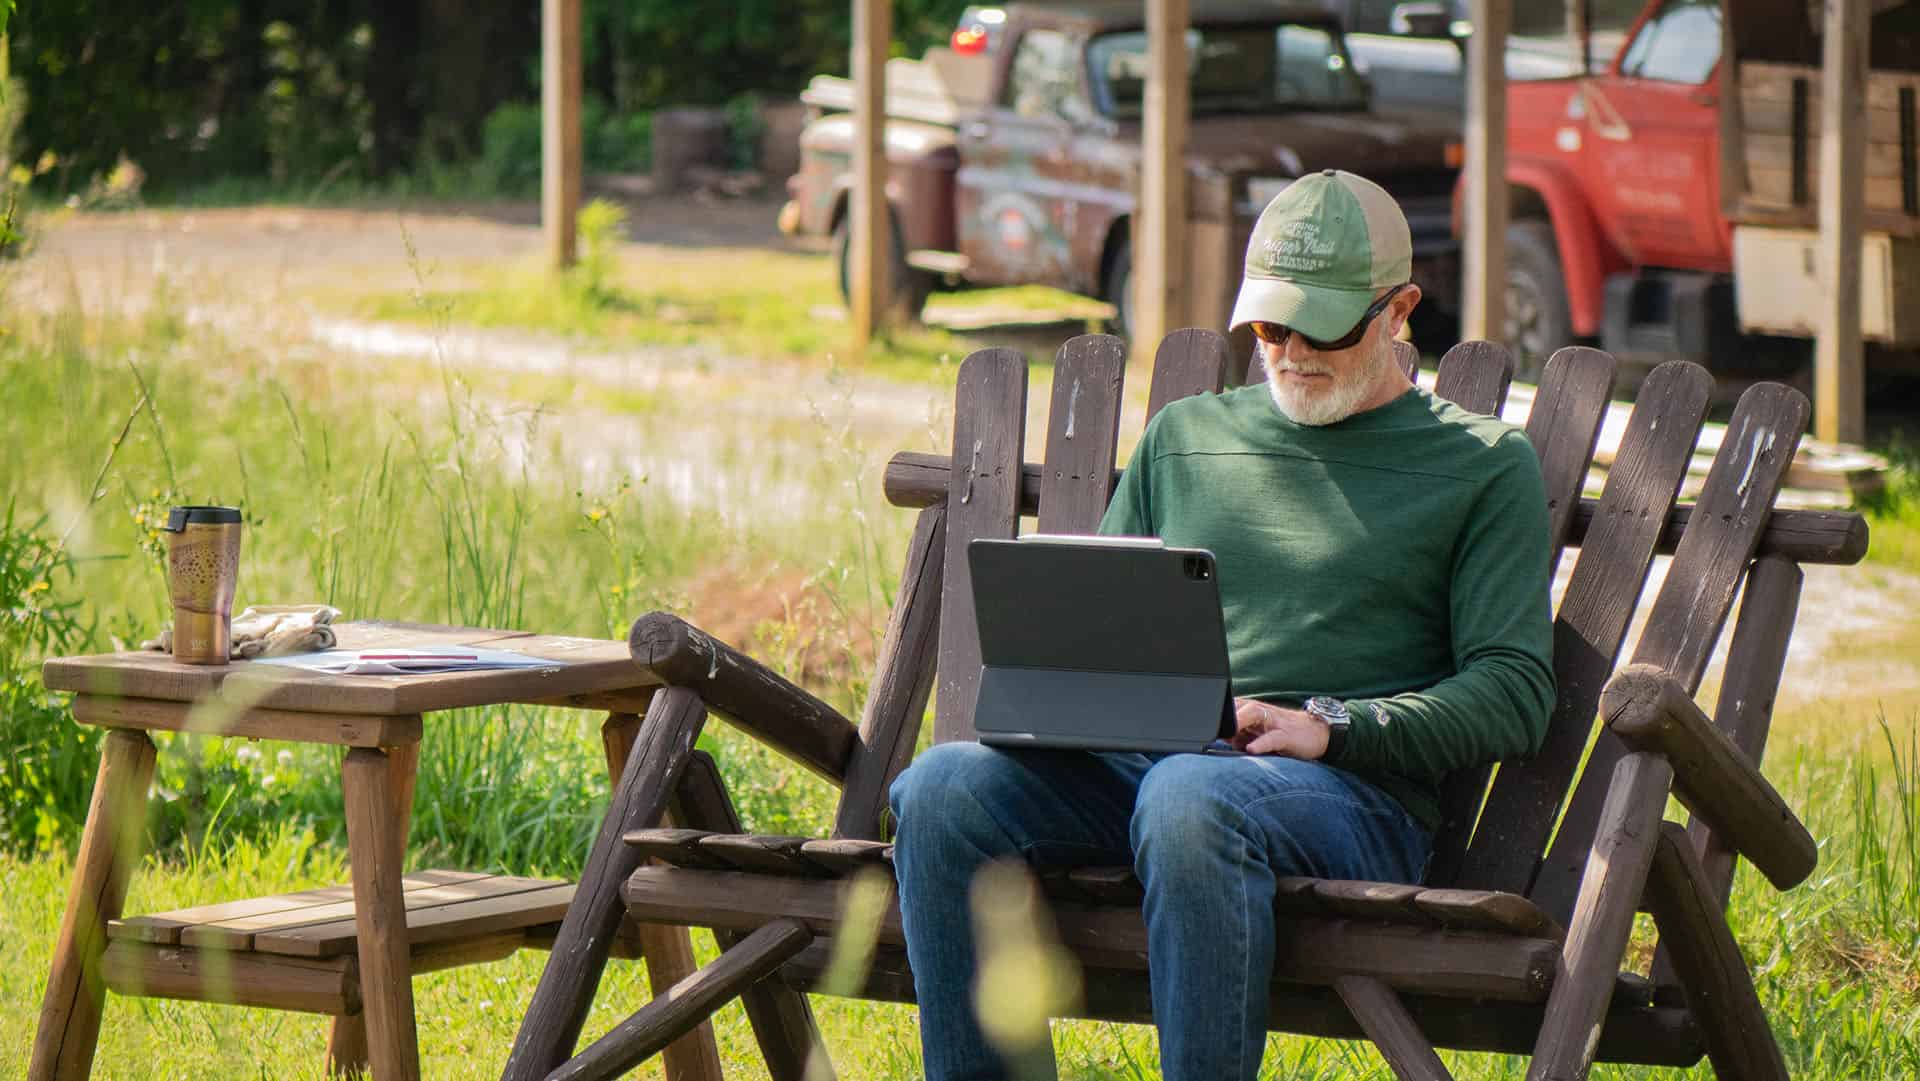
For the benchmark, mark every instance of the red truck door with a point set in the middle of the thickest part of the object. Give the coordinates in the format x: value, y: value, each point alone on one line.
x: 1653, y: 149
x: 1014, y: 157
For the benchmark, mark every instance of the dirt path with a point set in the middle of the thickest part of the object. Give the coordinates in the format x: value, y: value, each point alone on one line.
x: 245, y: 272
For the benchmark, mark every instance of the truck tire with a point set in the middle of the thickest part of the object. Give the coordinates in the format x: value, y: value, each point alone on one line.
x: 1538, y: 318
x: 909, y: 287
x: 1116, y: 288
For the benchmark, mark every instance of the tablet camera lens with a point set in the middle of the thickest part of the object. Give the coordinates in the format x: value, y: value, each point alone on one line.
x: 1199, y: 569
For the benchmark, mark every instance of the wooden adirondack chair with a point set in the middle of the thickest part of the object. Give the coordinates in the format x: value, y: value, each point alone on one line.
x: 1518, y: 939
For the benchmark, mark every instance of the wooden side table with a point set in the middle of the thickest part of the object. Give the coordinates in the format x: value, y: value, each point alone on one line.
x: 319, y: 950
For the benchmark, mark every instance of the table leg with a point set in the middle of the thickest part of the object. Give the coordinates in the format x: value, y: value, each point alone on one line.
x: 375, y: 852
x: 668, y: 951
x: 70, y: 1014
x: 347, y: 1041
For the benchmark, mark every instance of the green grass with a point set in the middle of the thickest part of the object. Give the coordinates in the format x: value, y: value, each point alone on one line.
x: 1894, y: 513
x: 403, y: 491
x: 761, y: 305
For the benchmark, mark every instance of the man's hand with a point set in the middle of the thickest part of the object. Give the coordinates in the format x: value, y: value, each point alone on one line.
x: 1268, y: 729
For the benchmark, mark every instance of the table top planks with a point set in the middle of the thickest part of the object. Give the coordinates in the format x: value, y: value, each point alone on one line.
x: 582, y: 667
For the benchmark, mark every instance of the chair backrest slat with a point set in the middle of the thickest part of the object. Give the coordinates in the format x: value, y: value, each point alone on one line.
x: 1473, y: 374
x: 903, y: 679
x: 1592, y: 621
x: 1188, y: 362
x: 1755, y: 661
x: 1563, y: 426
x: 983, y: 500
x: 1083, y: 426
x: 1693, y: 602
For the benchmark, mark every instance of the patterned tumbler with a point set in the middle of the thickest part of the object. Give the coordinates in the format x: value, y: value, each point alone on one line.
x: 203, y: 568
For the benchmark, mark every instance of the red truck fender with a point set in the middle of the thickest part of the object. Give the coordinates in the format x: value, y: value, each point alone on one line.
x: 1541, y: 189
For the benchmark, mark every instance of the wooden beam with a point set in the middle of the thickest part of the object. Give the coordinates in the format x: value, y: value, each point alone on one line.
x: 559, y: 128
x: 1839, y: 393
x: 1580, y: 34
x: 1159, y: 279
x: 869, y: 268
x: 1483, y: 281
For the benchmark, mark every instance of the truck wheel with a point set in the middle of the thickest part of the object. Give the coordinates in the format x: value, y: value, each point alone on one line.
x: 1117, y: 289
x: 910, y: 288
x: 1538, y: 318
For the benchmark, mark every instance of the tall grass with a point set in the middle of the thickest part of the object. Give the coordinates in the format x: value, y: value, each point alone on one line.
x: 397, y: 493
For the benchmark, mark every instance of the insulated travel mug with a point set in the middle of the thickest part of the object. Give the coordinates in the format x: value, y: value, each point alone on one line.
x: 203, y: 567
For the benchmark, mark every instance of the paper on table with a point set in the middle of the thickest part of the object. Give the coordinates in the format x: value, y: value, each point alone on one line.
x: 409, y: 660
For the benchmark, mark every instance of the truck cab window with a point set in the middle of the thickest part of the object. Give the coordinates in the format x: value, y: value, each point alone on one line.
x: 1045, y: 78
x: 1235, y: 69
x: 1680, y: 44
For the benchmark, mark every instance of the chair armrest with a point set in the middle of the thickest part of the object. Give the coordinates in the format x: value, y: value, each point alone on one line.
x: 748, y: 694
x: 1651, y: 711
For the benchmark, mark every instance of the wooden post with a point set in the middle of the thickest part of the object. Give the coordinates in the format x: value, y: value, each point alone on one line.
x: 1159, y: 279
x: 373, y: 785
x: 869, y: 267
x: 559, y: 127
x: 1483, y: 285
x: 1580, y: 35
x: 1839, y: 392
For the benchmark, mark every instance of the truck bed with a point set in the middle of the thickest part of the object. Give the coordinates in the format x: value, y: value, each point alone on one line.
x: 938, y: 89
x: 1779, y: 148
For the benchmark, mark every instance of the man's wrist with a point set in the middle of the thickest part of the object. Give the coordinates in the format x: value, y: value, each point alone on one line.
x: 1332, y: 713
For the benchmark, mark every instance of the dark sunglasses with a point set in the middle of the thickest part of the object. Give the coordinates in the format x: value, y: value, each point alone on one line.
x: 1278, y: 333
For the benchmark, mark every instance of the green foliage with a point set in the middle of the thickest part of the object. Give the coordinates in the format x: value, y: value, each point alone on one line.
x: 1894, y: 511
x: 744, y: 128
x: 46, y: 771
x: 612, y: 141
x: 602, y: 228
x: 327, y: 95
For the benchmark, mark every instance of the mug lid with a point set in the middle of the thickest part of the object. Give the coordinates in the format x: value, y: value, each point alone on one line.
x: 180, y: 518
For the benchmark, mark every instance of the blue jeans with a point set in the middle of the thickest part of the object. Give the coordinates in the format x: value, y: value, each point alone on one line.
x: 1207, y: 835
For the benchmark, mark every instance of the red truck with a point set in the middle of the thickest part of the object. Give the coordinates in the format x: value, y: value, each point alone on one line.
x: 1666, y: 204
x: 1021, y: 165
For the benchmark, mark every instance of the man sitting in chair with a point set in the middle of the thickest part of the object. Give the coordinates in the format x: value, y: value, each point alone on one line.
x: 1382, y: 559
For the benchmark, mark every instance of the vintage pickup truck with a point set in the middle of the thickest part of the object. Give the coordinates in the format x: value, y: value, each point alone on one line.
x: 1021, y: 164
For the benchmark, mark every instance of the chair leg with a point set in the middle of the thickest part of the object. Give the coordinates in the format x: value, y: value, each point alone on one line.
x: 70, y: 1013
x: 668, y: 950
x: 1712, y: 971
x: 1602, y: 918
x: 686, y: 1004
x: 782, y: 1020
x: 1392, y: 1029
x: 565, y: 993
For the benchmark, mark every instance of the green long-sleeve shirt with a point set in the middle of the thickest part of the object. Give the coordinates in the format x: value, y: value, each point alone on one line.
x: 1396, y: 560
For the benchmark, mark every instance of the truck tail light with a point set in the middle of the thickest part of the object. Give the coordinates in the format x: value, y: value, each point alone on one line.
x: 1455, y: 155
x: 970, y: 40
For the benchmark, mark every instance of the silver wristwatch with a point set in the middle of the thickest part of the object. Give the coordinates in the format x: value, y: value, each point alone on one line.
x: 1339, y: 722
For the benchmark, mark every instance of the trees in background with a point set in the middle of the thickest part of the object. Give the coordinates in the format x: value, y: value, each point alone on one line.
x: 195, y: 90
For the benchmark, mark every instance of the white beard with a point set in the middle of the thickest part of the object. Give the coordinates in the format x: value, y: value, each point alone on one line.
x: 1317, y: 408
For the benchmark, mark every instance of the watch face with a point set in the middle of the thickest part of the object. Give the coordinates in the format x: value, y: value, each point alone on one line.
x: 1328, y: 709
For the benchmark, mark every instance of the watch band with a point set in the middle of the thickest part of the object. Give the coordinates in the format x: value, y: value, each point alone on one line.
x: 1333, y: 713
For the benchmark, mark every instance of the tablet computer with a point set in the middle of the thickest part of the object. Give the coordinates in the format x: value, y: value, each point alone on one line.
x: 1100, y: 643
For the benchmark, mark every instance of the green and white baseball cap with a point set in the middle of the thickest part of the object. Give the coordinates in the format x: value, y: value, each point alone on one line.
x: 1320, y: 251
